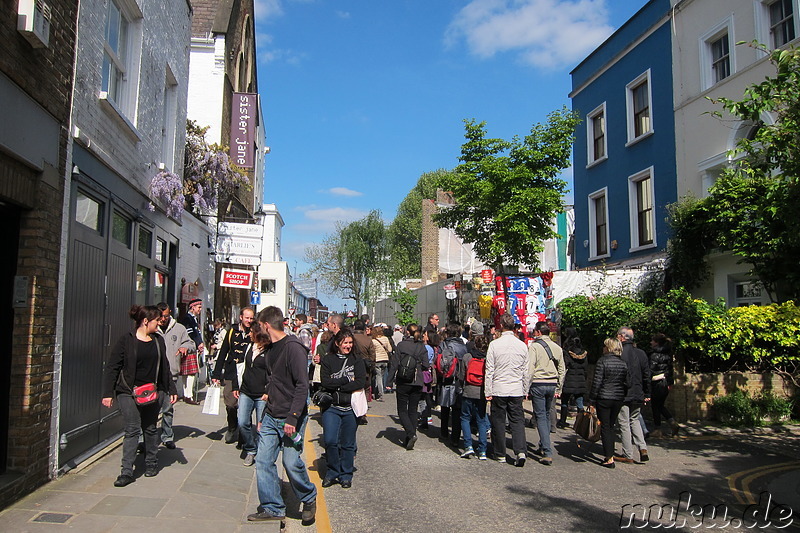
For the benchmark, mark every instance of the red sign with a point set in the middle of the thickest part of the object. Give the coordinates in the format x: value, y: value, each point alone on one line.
x: 487, y: 276
x: 240, y: 279
x: 244, y: 110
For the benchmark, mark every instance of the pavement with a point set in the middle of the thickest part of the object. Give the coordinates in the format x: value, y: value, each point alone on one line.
x: 203, y: 486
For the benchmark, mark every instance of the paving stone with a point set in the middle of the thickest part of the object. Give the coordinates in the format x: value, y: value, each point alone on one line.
x: 129, y: 506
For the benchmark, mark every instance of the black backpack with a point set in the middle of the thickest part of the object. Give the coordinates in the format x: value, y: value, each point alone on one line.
x: 407, y: 368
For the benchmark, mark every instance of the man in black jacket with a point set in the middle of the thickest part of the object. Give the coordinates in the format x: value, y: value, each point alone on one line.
x: 283, y: 423
x: 236, y: 345
x: 638, y: 394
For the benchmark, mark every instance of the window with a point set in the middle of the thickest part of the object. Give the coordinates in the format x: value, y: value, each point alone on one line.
x: 717, y: 58
x: 142, y: 284
x: 121, y: 229
x: 720, y: 58
x: 641, y: 197
x: 161, y: 250
x: 145, y: 241
x: 115, y: 56
x: 747, y: 293
x: 639, y: 117
x: 89, y: 212
x: 268, y: 286
x: 598, y: 225
x: 596, y: 135
x: 160, y: 287
x: 781, y: 22
x: 169, y: 120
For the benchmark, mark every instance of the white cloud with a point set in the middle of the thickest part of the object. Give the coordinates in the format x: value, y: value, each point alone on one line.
x: 268, y: 9
x: 544, y: 33
x: 331, y: 215
x: 343, y: 191
x: 343, y: 14
x: 288, y: 56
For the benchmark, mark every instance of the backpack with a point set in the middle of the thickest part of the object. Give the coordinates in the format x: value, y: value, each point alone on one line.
x: 407, y: 368
x: 446, y: 361
x: 475, y: 371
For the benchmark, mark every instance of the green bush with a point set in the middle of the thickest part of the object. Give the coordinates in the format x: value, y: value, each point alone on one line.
x: 741, y: 409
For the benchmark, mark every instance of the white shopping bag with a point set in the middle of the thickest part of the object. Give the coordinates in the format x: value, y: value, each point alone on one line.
x: 358, y: 401
x: 211, y: 403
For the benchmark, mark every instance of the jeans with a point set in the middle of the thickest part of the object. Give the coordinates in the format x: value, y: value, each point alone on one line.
x: 607, y: 412
x: 167, y: 415
x: 659, y: 397
x: 510, y: 406
x: 138, y: 419
x: 565, y: 398
x: 474, y: 409
x: 247, y: 431
x: 380, y: 380
x: 271, y: 441
x: 451, y: 419
x: 542, y: 395
x: 630, y: 428
x: 408, y: 397
x: 427, y: 410
x: 339, y: 436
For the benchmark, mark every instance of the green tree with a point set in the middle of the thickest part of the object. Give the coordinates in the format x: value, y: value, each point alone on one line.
x: 750, y: 209
x: 508, y: 192
x: 404, y: 234
x: 352, y: 261
x: 406, y: 300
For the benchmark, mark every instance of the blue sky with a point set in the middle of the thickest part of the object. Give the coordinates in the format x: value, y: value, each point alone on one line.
x: 361, y: 97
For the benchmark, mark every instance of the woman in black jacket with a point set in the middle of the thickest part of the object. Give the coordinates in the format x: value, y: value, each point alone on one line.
x: 409, y: 391
x: 139, y: 358
x: 251, y: 394
x: 610, y: 384
x: 342, y: 374
x: 575, y: 380
x: 662, y: 380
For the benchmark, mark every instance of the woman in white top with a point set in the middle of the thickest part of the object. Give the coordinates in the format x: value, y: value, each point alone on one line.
x: 382, y: 349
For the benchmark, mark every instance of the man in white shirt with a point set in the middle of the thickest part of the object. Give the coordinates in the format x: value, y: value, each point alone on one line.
x: 505, y: 384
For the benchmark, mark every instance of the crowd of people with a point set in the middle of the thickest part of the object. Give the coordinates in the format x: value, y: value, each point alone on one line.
x: 270, y: 368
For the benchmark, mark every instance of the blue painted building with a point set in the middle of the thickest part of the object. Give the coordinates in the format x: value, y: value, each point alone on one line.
x: 624, y: 152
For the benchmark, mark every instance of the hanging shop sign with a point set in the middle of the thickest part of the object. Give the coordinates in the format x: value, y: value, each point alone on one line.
x: 237, y: 229
x: 238, y: 279
x: 487, y: 275
x: 244, y: 110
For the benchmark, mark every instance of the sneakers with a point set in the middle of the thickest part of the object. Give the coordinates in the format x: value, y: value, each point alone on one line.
x: 482, y: 456
x: 643, y: 457
x: 546, y: 461
x: 170, y: 445
x: 263, y: 516
x: 468, y: 453
x: 520, y: 459
x: 123, y: 481
x: 309, y: 512
x: 249, y: 459
x: 411, y: 442
x: 501, y: 459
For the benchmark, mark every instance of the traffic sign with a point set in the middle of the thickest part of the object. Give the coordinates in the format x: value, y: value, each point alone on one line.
x: 255, y: 298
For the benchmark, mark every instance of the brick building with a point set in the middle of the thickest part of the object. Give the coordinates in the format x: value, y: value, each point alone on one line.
x: 35, y: 86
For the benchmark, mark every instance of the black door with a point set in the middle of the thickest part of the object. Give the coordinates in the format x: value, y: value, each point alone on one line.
x: 9, y: 236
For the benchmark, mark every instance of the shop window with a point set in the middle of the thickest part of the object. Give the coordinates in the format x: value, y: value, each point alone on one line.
x: 89, y: 212
x: 121, y: 229
x: 268, y: 286
x: 142, y: 285
x: 145, y: 241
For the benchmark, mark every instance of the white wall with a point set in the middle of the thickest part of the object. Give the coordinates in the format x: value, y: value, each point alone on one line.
x: 206, y: 85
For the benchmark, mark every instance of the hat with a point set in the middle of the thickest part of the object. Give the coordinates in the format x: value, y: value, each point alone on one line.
x: 476, y: 328
x: 398, y: 326
x: 195, y: 301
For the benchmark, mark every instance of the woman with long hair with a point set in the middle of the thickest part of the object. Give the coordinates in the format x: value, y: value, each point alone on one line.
x: 610, y: 384
x: 577, y: 363
x: 382, y: 350
x: 662, y: 381
x: 342, y: 374
x: 138, y: 359
x: 251, y: 393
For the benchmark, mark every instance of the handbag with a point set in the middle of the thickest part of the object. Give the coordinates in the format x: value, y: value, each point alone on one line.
x: 211, y: 403
x: 587, y: 425
x: 322, y: 399
x: 147, y: 393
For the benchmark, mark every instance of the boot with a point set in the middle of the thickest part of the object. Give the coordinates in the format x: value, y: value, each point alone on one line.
x: 674, y: 426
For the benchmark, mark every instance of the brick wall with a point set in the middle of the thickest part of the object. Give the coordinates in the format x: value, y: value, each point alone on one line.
x: 46, y: 76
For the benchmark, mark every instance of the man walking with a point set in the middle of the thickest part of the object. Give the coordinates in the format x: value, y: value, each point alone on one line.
x: 236, y: 346
x: 546, y: 373
x: 638, y: 394
x: 189, y: 362
x: 505, y: 387
x: 178, y: 345
x: 283, y: 423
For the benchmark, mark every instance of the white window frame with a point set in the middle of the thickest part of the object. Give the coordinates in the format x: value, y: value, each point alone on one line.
x: 126, y: 103
x: 643, y: 77
x: 591, y: 160
x: 593, y: 255
x: 633, y: 208
x: 707, y: 57
x: 169, y: 120
x: 763, y: 30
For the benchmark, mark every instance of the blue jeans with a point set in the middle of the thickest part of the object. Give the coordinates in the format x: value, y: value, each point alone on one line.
x: 247, y: 430
x: 380, y: 379
x: 339, y: 435
x: 474, y: 408
x: 542, y: 397
x: 271, y: 441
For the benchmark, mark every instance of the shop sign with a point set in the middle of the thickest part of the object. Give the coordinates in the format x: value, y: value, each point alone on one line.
x: 239, y: 279
x: 244, y: 110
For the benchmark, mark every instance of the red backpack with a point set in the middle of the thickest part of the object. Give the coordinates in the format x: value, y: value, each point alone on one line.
x: 475, y: 371
x: 446, y: 361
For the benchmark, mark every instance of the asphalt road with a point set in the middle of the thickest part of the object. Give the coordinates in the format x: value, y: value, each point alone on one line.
x: 432, y: 489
